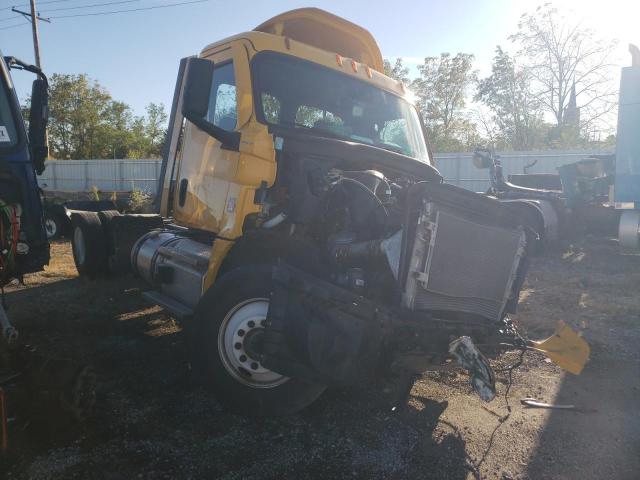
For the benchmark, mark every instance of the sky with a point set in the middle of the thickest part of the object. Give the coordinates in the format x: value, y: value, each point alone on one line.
x: 135, y: 55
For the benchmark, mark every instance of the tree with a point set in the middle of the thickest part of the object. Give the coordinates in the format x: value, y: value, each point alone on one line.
x: 155, y: 130
x: 515, y: 112
x: 441, y: 91
x: 77, y: 109
x: 397, y: 71
x: 85, y: 122
x: 563, y: 56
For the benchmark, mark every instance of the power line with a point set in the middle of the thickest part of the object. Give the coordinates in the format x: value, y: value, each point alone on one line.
x: 26, y: 22
x: 27, y: 5
x: 129, y: 10
x: 46, y: 2
x: 90, y: 6
x: 100, y: 13
x: 34, y: 14
x: 14, y: 26
x: 10, y: 18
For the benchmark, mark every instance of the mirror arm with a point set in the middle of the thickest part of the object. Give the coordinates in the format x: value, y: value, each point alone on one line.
x: 14, y: 62
x: 229, y: 140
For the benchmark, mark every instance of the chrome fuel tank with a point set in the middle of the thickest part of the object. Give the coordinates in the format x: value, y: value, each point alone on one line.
x: 173, y: 264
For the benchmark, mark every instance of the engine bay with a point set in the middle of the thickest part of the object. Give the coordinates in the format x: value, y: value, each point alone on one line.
x: 391, y: 233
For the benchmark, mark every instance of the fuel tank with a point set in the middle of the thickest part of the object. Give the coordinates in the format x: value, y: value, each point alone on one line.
x: 173, y: 264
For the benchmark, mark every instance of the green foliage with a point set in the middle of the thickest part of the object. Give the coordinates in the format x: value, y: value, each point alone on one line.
x: 516, y: 113
x: 397, y: 71
x: 86, y: 122
x: 441, y: 91
x: 561, y: 56
x: 140, y: 201
x: 557, y: 95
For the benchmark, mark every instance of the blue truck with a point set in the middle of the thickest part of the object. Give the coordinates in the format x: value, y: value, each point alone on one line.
x: 627, y: 168
x: 24, y: 247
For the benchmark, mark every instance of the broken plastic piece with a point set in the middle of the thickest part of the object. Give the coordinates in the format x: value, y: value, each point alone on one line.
x: 565, y: 348
x: 469, y: 357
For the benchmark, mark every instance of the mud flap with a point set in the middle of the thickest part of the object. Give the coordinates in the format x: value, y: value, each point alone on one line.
x: 320, y: 332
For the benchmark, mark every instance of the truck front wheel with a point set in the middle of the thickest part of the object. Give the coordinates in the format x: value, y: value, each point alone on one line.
x: 229, y: 321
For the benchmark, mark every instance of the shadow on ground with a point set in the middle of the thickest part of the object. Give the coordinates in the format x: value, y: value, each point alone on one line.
x: 151, y: 421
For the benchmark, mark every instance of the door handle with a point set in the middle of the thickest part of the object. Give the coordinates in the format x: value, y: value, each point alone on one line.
x: 182, y: 192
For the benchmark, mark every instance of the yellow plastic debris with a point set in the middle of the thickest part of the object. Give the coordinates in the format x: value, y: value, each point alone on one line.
x: 565, y: 348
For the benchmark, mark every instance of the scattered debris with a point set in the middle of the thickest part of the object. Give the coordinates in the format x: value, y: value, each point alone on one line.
x: 533, y: 403
x: 565, y: 348
x: 469, y: 357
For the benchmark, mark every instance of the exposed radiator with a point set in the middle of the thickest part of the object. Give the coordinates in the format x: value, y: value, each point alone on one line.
x: 461, y: 265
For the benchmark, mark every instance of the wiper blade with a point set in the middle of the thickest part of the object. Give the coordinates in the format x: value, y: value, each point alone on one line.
x: 311, y: 130
x: 391, y: 148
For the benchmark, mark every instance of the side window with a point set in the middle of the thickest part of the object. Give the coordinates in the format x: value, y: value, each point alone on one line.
x: 223, y: 111
x: 8, y: 133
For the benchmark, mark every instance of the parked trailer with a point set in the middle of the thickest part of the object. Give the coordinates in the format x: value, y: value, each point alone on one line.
x: 627, y: 174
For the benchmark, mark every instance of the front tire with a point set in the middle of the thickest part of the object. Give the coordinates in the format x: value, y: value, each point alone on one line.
x: 229, y: 317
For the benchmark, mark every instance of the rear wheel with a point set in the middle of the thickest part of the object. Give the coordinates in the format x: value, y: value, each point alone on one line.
x: 230, y: 321
x: 88, y: 244
x: 52, y: 226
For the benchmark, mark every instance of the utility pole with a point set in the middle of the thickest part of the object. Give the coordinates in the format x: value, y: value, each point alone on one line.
x: 34, y: 28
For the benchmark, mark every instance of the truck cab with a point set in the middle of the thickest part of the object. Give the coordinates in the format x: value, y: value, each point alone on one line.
x: 24, y: 247
x: 304, y: 236
x: 22, y: 155
x: 283, y: 78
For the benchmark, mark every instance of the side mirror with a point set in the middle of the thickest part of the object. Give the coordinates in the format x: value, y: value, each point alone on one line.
x: 195, y: 101
x: 38, y: 120
x: 482, y: 159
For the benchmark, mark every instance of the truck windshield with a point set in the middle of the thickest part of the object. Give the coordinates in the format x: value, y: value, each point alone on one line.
x: 300, y: 94
x: 8, y: 134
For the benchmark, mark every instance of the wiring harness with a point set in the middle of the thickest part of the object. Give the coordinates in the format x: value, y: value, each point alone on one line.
x: 9, y: 233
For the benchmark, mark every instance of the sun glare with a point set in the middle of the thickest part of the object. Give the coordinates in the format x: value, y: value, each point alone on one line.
x: 615, y: 19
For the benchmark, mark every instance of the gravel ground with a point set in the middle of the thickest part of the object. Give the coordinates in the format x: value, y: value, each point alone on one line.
x: 149, y: 421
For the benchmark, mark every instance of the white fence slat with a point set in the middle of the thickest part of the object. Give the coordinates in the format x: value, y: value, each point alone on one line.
x: 126, y: 175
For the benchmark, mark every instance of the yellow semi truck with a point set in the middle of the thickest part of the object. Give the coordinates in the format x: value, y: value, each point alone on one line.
x: 304, y: 236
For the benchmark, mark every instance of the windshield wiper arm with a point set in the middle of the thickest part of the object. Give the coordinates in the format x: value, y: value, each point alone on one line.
x: 312, y: 130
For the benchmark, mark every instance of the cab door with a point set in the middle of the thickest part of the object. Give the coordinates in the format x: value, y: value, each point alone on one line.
x: 209, y: 180
x: 205, y: 168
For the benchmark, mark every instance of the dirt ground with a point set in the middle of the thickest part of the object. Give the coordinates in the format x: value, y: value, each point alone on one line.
x: 149, y: 420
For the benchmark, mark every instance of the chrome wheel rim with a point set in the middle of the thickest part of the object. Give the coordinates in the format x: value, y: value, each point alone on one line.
x: 51, y: 227
x: 242, y: 321
x: 79, y: 246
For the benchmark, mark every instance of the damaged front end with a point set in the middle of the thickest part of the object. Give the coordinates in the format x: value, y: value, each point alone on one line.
x: 456, y: 266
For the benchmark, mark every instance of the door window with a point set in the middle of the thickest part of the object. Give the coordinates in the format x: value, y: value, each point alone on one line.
x: 223, y: 111
x: 8, y: 133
